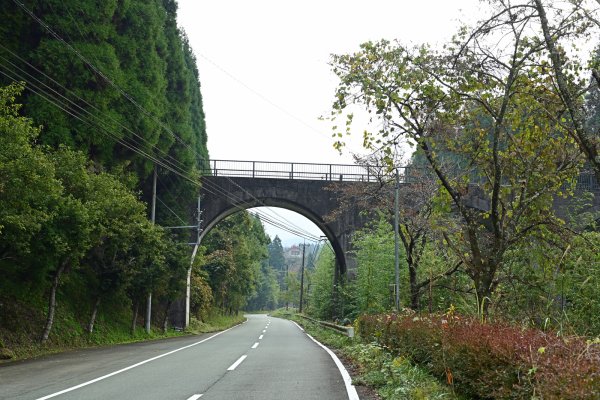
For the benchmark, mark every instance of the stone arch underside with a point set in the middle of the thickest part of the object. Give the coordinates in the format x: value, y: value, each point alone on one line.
x: 315, y: 200
x: 288, y: 205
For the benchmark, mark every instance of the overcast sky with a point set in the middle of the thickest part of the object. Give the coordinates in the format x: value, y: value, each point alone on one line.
x: 264, y: 70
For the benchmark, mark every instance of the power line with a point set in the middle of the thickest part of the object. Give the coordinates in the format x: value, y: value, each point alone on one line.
x: 44, y: 95
x: 114, y: 136
x: 103, y: 130
x: 97, y: 71
x: 263, y: 97
x: 98, y: 120
x: 172, y: 212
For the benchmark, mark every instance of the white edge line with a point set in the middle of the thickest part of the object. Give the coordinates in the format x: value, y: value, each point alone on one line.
x: 194, y: 397
x: 238, y: 362
x: 299, y: 327
x: 131, y: 367
x: 352, y: 394
x: 255, y: 345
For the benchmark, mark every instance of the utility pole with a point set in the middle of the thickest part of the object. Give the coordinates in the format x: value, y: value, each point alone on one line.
x: 302, y: 278
x: 287, y: 287
x: 188, y: 288
x: 396, y: 244
x: 153, y: 218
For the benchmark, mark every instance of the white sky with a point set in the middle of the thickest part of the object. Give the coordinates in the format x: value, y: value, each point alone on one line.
x: 264, y: 73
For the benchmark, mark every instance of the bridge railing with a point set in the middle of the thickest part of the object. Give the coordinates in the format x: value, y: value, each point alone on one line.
x: 586, y: 181
x: 283, y: 170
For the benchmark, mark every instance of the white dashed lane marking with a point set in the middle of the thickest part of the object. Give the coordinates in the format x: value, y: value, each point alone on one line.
x: 238, y: 362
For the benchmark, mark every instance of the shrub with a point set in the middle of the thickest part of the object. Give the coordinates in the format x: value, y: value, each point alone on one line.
x: 492, y: 360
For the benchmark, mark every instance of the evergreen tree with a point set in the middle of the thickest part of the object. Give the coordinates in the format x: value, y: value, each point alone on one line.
x: 124, y: 77
x: 277, y: 260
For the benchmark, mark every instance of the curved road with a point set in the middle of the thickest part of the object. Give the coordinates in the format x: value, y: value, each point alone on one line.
x: 264, y: 358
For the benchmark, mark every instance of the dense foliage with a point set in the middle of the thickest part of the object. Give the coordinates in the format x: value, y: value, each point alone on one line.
x: 235, y: 261
x: 109, y: 92
x: 500, y: 130
x: 113, y: 80
x: 62, y: 217
x: 491, y: 360
x: 497, y: 220
x: 79, y: 238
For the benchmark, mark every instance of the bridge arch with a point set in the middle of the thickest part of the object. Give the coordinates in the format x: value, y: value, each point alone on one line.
x: 287, y: 204
x: 313, y: 199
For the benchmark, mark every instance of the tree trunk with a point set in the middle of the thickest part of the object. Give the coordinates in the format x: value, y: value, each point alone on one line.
x: 52, y: 302
x: 148, y: 315
x: 414, y: 289
x: 90, y: 327
x: 483, y: 288
x: 134, y: 319
x: 166, y: 319
x: 430, y: 291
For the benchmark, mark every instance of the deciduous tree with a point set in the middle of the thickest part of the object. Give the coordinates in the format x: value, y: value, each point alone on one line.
x: 490, y: 106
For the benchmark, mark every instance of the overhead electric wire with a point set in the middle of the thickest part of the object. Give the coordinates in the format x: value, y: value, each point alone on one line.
x: 56, y: 96
x: 174, y: 161
x: 172, y: 212
x: 96, y: 70
x: 103, y: 130
x: 126, y: 95
x: 132, y: 147
x: 52, y: 99
x: 57, y: 103
x: 263, y: 97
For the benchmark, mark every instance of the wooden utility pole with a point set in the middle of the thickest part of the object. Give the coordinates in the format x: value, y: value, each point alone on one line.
x: 302, y: 278
x: 188, y: 287
x: 153, y: 219
x: 287, y: 287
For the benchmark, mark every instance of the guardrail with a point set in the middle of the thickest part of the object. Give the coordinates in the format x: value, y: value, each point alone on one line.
x: 344, y: 330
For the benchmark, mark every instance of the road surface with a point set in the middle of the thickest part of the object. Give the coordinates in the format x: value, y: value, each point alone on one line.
x: 264, y: 358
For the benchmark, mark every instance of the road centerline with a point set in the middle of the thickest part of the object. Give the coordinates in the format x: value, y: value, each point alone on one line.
x: 238, y: 362
x: 255, y: 345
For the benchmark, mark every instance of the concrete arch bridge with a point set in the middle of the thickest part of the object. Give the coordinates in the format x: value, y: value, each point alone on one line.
x: 312, y: 190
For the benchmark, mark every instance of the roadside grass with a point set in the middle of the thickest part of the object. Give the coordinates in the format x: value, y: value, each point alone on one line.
x: 215, y: 322
x: 19, y: 336
x: 392, y: 377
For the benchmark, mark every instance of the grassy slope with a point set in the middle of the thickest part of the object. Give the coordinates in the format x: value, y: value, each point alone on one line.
x: 21, y: 325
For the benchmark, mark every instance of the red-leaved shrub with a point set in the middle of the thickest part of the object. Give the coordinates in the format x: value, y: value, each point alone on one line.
x: 491, y: 360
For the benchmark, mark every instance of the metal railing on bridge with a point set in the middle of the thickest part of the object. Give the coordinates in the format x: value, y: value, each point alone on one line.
x: 283, y: 170
x: 586, y: 181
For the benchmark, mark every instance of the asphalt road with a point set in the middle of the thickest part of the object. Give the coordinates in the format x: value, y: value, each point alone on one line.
x: 264, y: 358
